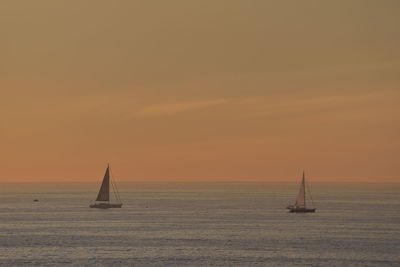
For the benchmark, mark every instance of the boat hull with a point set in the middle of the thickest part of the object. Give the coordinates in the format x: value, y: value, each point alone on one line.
x: 105, y: 205
x: 301, y: 210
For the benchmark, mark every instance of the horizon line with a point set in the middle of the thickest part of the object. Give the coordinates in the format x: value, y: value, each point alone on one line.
x: 203, y: 181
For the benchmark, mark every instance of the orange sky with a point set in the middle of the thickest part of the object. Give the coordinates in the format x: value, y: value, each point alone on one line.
x: 200, y: 90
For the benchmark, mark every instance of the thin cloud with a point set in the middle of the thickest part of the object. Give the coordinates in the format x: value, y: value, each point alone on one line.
x: 294, y: 105
x: 173, y: 108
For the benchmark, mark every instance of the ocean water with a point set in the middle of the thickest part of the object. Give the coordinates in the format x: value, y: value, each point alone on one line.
x: 200, y: 224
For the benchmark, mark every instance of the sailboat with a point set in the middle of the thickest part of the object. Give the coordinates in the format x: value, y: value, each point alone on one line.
x: 103, y: 197
x: 300, y: 204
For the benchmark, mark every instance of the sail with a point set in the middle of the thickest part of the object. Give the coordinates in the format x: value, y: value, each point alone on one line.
x: 104, y: 193
x: 301, y: 197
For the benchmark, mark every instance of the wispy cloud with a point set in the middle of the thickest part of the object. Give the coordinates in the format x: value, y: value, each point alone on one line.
x: 173, y: 108
x: 338, y: 103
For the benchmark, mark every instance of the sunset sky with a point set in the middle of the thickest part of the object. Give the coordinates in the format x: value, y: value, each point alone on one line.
x: 200, y: 90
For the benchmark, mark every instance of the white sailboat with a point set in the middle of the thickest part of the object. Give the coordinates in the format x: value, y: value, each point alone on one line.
x: 300, y: 204
x: 103, y: 197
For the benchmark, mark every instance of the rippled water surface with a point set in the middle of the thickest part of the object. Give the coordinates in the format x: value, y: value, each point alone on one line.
x: 200, y: 224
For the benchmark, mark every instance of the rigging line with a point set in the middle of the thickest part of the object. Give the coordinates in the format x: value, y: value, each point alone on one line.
x: 309, y: 192
x: 115, y: 195
x: 116, y: 190
x: 114, y: 186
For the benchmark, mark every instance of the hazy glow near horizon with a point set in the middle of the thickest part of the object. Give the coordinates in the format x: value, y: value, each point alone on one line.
x: 200, y: 90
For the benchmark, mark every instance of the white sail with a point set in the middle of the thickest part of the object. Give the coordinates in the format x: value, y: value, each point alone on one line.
x: 104, y: 193
x: 301, y: 197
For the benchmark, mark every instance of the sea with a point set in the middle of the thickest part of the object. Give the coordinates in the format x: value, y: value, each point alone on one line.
x: 200, y: 224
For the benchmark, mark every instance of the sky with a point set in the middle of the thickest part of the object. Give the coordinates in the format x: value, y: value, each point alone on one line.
x: 200, y: 90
